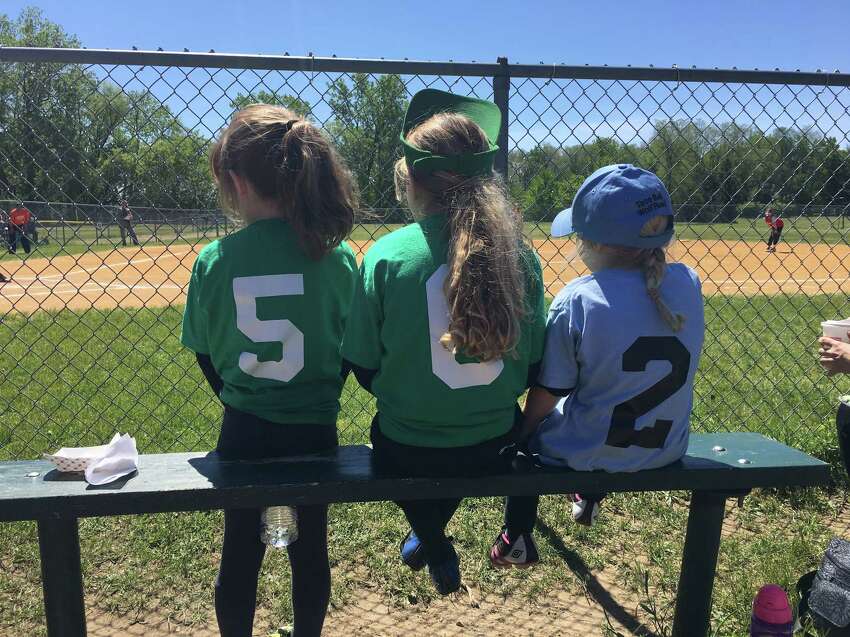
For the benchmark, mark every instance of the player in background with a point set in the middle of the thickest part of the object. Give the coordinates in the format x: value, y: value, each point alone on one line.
x: 4, y: 230
x: 19, y: 218
x: 615, y: 388
x: 5, y: 227
x: 265, y: 314
x: 447, y: 318
x: 125, y: 224
x: 776, y: 225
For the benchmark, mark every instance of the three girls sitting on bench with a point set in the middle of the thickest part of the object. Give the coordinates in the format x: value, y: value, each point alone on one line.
x: 446, y: 329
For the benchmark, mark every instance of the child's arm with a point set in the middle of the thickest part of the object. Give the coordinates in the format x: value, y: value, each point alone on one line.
x: 214, y: 380
x: 538, y: 405
x: 364, y: 376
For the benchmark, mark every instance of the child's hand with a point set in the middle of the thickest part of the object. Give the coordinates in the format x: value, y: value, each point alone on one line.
x: 834, y: 355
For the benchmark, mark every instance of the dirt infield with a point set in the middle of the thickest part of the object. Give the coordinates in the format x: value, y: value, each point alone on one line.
x: 158, y: 275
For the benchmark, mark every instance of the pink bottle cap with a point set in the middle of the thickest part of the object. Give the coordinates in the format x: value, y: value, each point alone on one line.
x: 771, y: 605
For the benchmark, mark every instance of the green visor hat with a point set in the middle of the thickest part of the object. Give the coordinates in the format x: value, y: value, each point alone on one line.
x: 429, y: 102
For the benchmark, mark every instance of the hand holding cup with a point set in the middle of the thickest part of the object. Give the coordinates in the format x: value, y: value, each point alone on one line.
x: 835, y: 347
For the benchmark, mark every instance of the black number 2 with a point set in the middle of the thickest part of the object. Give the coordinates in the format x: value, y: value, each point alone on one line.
x: 645, y: 349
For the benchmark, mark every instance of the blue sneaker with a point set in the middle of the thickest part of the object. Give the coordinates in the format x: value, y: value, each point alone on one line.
x: 411, y: 551
x: 446, y: 575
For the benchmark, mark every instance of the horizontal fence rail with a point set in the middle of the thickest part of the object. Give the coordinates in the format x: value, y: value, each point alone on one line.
x: 89, y: 337
x: 314, y: 64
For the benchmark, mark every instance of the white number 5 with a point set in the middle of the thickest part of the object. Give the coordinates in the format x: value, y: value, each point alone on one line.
x: 246, y: 291
x: 443, y: 364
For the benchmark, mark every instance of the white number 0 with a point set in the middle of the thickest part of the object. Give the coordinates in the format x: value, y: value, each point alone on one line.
x: 443, y: 364
x: 246, y: 291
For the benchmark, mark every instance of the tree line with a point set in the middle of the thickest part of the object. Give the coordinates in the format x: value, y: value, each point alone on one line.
x: 68, y: 135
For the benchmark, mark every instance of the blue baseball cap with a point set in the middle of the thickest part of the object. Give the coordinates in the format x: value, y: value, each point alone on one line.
x: 612, y: 206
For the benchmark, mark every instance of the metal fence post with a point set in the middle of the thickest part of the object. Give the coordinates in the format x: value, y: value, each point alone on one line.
x: 501, y: 95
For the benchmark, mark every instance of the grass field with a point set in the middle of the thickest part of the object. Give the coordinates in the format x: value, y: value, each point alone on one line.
x: 77, y: 238
x: 74, y: 375
x: 73, y: 238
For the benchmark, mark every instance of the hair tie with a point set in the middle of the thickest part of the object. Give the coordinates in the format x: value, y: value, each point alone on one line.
x: 276, y: 151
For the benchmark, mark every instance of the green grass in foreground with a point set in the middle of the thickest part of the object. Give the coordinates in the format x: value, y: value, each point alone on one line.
x: 77, y: 377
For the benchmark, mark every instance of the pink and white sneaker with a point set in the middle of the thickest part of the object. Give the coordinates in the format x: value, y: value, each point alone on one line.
x: 521, y: 552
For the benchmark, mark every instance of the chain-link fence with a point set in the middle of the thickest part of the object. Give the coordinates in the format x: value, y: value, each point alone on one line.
x: 90, y: 320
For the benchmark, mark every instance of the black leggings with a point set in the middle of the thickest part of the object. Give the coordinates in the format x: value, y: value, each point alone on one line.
x: 521, y: 512
x: 428, y: 518
x: 246, y: 437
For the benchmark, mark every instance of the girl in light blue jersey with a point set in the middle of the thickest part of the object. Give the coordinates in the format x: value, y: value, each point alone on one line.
x: 615, y: 389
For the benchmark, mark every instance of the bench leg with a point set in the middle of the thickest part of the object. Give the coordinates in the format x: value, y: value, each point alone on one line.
x: 699, y: 562
x: 62, y: 577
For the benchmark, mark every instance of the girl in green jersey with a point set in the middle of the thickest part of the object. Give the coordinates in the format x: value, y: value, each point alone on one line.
x: 447, y: 318
x: 265, y: 315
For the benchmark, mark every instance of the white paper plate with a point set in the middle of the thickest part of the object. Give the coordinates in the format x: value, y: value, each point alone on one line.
x: 75, y: 459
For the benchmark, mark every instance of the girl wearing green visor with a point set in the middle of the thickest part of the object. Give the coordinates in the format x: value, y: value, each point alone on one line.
x: 447, y: 319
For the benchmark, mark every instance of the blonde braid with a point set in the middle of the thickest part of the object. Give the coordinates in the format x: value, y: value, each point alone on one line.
x: 654, y: 265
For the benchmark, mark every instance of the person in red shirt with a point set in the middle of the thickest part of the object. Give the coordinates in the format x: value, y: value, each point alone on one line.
x: 774, y: 220
x: 19, y: 218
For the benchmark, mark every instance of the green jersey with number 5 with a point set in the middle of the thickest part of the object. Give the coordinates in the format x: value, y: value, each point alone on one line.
x: 426, y: 395
x: 272, y: 320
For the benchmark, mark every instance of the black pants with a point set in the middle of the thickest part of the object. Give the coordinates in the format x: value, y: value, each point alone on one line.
x: 428, y: 518
x: 14, y: 234
x: 126, y: 228
x: 246, y: 437
x: 774, y: 237
x: 521, y: 512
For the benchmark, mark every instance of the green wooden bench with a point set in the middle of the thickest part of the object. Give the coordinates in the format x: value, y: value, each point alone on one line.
x: 717, y: 466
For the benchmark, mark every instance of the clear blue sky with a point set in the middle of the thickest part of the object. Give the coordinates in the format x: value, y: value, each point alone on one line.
x: 744, y: 33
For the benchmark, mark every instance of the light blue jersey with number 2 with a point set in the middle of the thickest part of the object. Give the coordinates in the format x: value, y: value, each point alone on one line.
x: 631, y: 376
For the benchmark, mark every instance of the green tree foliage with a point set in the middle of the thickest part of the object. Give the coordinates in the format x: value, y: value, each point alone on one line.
x: 293, y: 103
x: 367, y: 118
x: 713, y: 171
x: 70, y: 137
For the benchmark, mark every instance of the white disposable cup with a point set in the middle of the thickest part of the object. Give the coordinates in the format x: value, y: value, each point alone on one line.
x: 836, y: 329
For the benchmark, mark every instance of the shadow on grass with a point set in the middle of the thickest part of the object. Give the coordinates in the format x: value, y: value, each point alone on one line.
x: 595, y: 590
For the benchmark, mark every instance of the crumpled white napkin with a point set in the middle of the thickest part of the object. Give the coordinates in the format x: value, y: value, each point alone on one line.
x: 119, y: 459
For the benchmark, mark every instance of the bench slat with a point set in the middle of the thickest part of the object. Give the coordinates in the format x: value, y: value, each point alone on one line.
x: 199, y: 481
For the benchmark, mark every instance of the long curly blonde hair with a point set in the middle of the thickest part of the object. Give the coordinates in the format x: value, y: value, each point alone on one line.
x: 485, y: 286
x: 652, y: 262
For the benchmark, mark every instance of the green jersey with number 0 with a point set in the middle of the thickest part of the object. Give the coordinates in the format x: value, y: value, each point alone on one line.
x: 272, y: 320
x: 426, y: 395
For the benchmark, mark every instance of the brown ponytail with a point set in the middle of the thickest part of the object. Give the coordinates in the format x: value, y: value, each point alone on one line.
x: 288, y: 160
x: 485, y: 286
